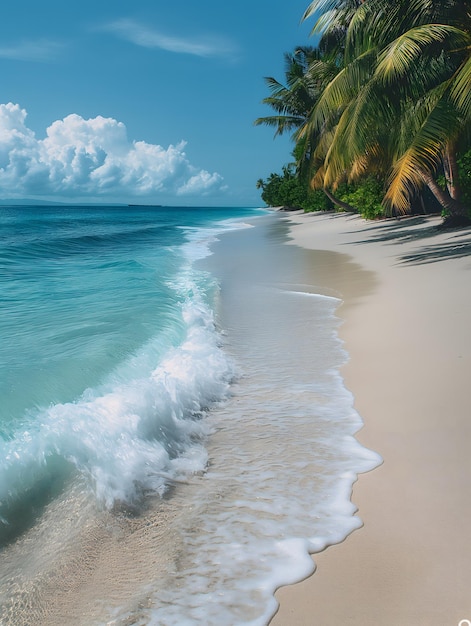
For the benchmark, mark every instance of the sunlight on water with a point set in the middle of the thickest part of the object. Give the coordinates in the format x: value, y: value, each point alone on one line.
x: 165, y: 422
x: 99, y: 304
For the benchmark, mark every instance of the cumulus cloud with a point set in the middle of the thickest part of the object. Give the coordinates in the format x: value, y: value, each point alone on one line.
x: 142, y: 35
x: 92, y: 158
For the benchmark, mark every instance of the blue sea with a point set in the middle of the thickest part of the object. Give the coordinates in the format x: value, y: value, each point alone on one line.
x: 175, y: 435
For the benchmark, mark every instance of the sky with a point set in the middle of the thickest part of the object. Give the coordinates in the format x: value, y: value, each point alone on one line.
x: 150, y: 101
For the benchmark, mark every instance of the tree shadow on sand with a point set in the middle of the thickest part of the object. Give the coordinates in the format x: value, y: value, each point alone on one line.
x: 439, y: 252
x: 457, y: 245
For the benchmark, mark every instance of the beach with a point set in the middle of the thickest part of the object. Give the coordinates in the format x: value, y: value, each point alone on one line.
x: 190, y: 441
x: 406, y: 330
x: 269, y: 374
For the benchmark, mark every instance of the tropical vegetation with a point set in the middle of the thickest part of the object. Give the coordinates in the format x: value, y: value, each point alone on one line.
x: 380, y: 111
x: 289, y: 190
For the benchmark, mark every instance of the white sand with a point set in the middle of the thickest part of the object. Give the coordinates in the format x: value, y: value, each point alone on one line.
x: 409, y: 342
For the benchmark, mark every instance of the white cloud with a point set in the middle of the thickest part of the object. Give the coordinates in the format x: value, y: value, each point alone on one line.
x: 142, y: 35
x: 39, y: 50
x: 92, y: 158
x: 200, y: 183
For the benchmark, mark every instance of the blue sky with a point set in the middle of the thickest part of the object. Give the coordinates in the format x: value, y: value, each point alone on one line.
x: 144, y: 101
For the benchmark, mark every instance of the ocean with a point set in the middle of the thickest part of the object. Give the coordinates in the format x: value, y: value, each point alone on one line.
x: 175, y: 435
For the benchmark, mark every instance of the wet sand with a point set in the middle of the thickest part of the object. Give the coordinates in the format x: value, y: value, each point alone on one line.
x: 409, y: 343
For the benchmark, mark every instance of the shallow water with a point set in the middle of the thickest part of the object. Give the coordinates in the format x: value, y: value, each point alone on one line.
x: 264, y: 479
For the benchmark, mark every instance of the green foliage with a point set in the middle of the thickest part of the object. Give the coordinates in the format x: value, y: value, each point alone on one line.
x: 383, y: 101
x: 464, y: 167
x: 366, y: 196
x: 288, y: 189
x: 316, y: 200
x: 402, y: 96
x: 464, y: 180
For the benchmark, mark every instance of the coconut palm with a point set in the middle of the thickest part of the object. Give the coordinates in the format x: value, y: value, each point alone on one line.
x: 308, y: 71
x: 331, y: 16
x: 294, y: 100
x: 407, y: 67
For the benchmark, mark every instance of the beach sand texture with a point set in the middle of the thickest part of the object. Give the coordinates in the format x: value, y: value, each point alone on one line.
x: 409, y: 343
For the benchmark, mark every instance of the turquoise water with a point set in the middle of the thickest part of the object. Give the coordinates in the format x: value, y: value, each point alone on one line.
x: 93, y: 299
x: 175, y: 435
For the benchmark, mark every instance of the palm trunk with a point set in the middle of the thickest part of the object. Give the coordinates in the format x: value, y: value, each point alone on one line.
x: 343, y: 205
x: 450, y: 167
x: 446, y: 171
x: 454, y: 207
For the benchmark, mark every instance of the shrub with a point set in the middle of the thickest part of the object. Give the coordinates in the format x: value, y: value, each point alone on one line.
x: 288, y: 189
x: 366, y: 196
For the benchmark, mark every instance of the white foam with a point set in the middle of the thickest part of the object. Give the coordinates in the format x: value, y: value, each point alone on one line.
x: 199, y: 240
x: 308, y: 294
x: 142, y: 428
x: 281, y: 459
x: 141, y: 432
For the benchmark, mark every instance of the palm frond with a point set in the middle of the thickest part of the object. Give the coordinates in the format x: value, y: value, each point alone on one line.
x: 282, y: 123
x: 318, y: 6
x: 461, y: 87
x: 404, y: 180
x: 317, y: 181
x: 359, y: 167
x: 397, y: 59
x: 439, y: 123
x: 342, y: 89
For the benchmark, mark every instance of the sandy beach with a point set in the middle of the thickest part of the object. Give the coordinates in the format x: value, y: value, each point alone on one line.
x: 407, y: 334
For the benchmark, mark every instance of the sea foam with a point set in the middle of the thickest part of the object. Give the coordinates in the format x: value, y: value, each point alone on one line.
x: 143, y: 428
x: 279, y: 463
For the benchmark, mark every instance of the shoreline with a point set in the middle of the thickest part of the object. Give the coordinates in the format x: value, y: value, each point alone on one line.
x: 409, y: 346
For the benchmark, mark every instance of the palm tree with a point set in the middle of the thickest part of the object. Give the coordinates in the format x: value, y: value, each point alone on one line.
x: 434, y: 114
x: 331, y: 15
x: 307, y: 72
x: 294, y: 100
x: 407, y: 67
